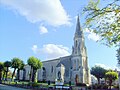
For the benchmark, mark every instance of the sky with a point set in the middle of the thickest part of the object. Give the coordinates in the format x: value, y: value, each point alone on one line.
x: 45, y: 29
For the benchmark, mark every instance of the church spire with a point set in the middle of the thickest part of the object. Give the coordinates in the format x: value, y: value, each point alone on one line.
x: 78, y: 39
x: 78, y: 31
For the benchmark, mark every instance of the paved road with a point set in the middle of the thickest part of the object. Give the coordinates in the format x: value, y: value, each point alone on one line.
x: 5, y: 87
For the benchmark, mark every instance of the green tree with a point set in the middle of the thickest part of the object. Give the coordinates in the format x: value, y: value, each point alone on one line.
x: 1, y: 69
x: 104, y: 21
x: 15, y: 63
x: 21, y: 67
x: 38, y: 66
x: 111, y: 76
x: 35, y: 64
x: 98, y: 72
x: 7, y: 64
x: 31, y: 61
x: 4, y: 71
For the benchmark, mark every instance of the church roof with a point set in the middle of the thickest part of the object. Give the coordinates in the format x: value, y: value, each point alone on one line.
x: 60, y: 65
x: 78, y: 31
x: 57, y: 59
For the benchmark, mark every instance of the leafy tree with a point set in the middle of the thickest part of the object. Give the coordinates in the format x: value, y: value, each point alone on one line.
x: 7, y: 64
x: 4, y: 71
x: 21, y: 67
x: 1, y: 69
x: 35, y: 64
x: 38, y: 66
x: 16, y: 62
x: 98, y: 72
x: 31, y: 61
x: 9, y: 75
x: 104, y: 21
x: 111, y: 76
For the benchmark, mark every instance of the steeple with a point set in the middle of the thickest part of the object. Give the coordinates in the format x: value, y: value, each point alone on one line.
x: 78, y: 32
x: 78, y: 39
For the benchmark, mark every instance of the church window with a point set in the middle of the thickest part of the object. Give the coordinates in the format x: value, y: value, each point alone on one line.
x: 76, y: 43
x: 44, y: 73
x: 24, y: 74
x: 84, y: 63
x: 77, y: 64
x: 52, y: 69
x: 59, y: 75
x: 74, y: 64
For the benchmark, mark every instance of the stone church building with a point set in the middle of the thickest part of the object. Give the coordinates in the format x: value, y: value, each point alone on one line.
x: 72, y: 68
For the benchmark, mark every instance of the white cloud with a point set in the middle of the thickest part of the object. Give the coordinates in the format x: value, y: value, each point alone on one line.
x: 103, y: 66
x: 51, y: 51
x: 107, y: 67
x: 91, y: 35
x: 43, y: 29
x: 35, y: 49
x: 51, y: 12
x: 55, y: 51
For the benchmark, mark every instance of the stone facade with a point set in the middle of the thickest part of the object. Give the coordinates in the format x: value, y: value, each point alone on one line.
x: 72, y: 68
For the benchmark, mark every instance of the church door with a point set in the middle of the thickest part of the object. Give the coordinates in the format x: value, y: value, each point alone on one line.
x: 76, y: 78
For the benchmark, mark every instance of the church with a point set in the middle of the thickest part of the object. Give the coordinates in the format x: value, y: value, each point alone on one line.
x: 72, y: 68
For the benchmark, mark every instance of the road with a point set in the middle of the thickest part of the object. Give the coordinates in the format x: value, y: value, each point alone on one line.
x: 5, y: 87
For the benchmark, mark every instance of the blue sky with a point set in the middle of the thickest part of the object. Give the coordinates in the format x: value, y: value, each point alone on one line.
x: 45, y: 29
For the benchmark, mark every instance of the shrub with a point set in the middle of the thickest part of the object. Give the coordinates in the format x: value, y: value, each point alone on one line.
x: 89, y: 87
x: 69, y: 83
x: 81, y: 84
x: 105, y: 86
x: 29, y: 84
x: 44, y: 81
x: 35, y: 84
x: 99, y: 86
x: 12, y: 83
x: 116, y: 86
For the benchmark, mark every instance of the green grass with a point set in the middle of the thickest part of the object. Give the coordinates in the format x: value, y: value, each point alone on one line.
x: 45, y: 85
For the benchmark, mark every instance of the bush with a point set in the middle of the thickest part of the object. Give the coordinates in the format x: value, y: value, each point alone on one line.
x: 44, y: 81
x: 35, y: 84
x: 12, y: 83
x: 81, y: 84
x: 29, y: 84
x: 69, y: 83
x: 116, y: 86
x: 94, y: 86
x: 98, y: 86
x: 89, y: 87
x: 105, y: 86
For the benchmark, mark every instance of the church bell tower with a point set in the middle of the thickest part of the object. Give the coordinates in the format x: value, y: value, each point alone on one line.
x: 79, y: 47
x: 80, y: 71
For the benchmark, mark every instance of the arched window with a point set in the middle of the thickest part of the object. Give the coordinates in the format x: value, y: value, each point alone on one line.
x: 74, y: 64
x: 76, y: 43
x: 52, y: 69
x: 24, y: 74
x: 77, y: 64
x: 44, y: 73
x: 59, y: 75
